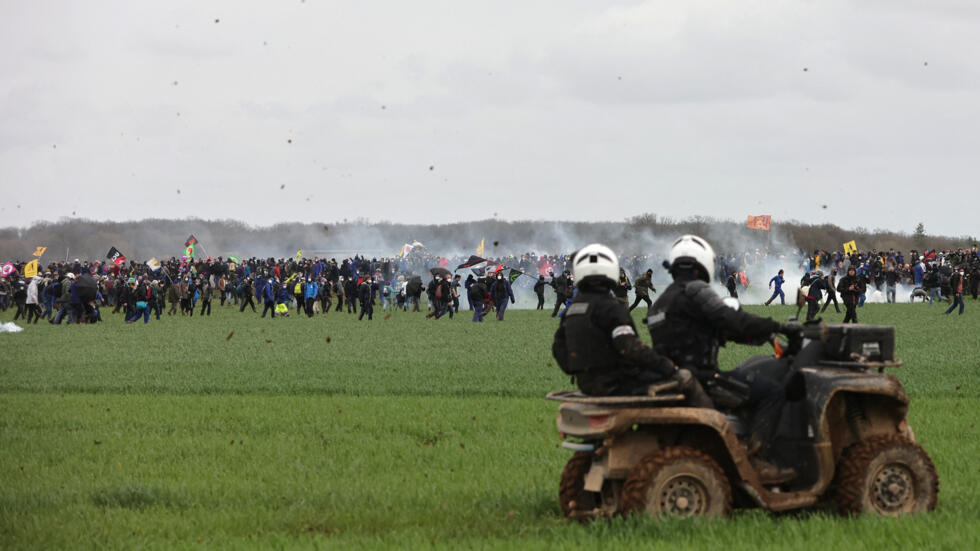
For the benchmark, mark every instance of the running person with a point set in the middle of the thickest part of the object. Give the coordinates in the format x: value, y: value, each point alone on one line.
x: 778, y: 292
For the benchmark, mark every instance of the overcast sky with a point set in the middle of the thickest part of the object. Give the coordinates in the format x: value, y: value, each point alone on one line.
x: 451, y: 111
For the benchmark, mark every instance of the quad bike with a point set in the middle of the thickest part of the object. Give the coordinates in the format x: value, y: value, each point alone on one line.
x: 844, y: 430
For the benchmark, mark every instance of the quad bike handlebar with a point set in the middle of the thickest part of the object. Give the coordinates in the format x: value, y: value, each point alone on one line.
x: 795, y: 332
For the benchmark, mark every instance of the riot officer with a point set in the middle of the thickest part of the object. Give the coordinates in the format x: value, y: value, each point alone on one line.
x: 596, y: 341
x: 690, y: 321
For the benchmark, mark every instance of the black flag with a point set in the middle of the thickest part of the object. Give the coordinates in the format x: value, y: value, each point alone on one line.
x: 115, y: 256
x: 473, y: 261
x: 514, y: 274
x: 190, y: 241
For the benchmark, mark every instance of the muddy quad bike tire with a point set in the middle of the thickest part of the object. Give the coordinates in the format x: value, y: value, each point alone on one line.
x: 677, y: 481
x: 571, y: 490
x: 888, y: 475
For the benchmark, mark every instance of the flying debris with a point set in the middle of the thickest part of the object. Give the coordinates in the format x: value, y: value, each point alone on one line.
x: 282, y: 186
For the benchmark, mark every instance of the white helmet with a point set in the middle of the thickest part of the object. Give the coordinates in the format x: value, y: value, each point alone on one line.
x: 595, y: 260
x: 691, y: 249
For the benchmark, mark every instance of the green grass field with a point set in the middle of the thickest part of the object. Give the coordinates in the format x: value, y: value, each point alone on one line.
x: 401, y: 432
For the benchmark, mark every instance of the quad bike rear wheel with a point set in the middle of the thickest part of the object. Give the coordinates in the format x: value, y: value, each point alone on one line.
x: 677, y: 481
x: 571, y: 490
x: 888, y: 475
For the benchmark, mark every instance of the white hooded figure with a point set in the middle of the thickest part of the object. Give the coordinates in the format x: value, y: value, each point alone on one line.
x: 32, y: 290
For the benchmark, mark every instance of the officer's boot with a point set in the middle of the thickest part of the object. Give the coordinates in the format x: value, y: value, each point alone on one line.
x: 768, y: 473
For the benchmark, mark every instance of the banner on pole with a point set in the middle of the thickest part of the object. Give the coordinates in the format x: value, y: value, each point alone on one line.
x: 30, y: 269
x: 115, y: 256
x: 759, y: 222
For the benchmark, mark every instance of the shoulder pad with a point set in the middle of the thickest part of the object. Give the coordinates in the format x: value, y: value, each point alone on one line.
x: 577, y: 308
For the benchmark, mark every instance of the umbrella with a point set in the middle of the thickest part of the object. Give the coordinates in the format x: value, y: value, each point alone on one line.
x: 414, y: 286
x: 440, y: 271
x: 87, y: 287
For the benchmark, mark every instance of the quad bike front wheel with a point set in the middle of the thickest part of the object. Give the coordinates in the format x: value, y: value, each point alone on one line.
x: 571, y: 490
x: 888, y: 475
x: 677, y: 481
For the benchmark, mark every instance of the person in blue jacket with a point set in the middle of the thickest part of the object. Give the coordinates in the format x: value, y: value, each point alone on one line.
x: 269, y: 298
x: 778, y: 292
x: 310, y: 291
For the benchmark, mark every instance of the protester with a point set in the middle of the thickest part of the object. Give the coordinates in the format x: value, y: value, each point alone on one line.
x: 778, y: 281
x: 644, y: 284
x: 500, y: 291
x: 851, y: 287
x: 539, y: 292
x: 956, y: 283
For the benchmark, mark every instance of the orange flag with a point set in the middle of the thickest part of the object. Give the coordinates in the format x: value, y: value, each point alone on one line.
x: 759, y: 222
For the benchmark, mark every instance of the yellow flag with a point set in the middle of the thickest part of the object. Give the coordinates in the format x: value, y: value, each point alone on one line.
x: 850, y: 247
x: 39, y: 251
x: 299, y: 253
x: 30, y: 269
x: 479, y: 250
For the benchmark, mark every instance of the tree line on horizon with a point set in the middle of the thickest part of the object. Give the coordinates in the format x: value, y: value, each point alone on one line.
x: 641, y: 234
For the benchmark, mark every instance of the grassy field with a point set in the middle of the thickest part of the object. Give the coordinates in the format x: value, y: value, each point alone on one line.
x: 401, y: 432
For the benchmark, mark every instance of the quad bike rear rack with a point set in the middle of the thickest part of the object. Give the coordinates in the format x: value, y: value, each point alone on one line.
x: 654, y: 397
x: 861, y: 364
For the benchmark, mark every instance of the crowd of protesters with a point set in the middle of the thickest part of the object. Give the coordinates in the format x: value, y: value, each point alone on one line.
x: 930, y: 276
x: 83, y: 291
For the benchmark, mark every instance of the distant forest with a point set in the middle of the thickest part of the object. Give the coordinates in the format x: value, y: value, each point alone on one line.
x: 643, y: 234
